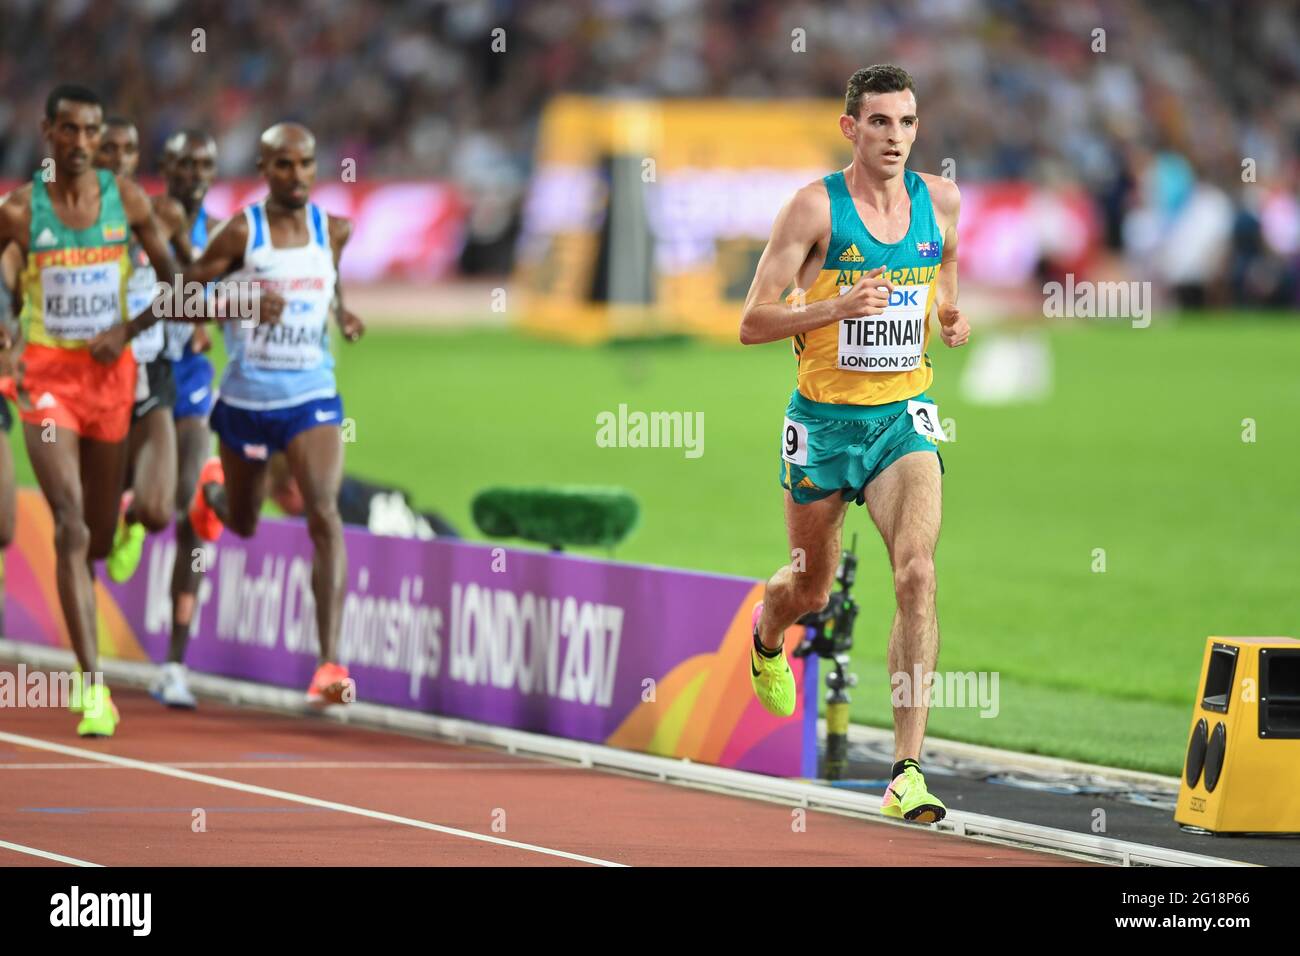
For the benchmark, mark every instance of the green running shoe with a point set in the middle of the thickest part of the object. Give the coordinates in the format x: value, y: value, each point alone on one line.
x: 906, y: 798
x: 771, y: 676
x: 128, y: 546
x: 99, y: 716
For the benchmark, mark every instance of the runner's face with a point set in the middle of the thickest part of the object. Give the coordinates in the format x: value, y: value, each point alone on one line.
x: 884, y: 132
x: 290, y: 172
x: 119, y: 150
x: 191, y: 172
x: 73, y: 136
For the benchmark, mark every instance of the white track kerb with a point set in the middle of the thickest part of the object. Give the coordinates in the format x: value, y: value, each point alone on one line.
x: 810, y: 794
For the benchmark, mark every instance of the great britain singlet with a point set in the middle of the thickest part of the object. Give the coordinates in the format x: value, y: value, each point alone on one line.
x: 287, y: 364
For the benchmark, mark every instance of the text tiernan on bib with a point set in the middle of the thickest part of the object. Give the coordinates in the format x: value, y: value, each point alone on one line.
x: 893, y: 341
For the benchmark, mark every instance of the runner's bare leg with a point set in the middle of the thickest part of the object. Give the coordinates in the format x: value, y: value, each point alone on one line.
x: 804, y: 585
x: 238, y: 502
x: 192, y: 444
x: 8, y: 492
x: 152, y: 448
x: 83, y: 524
x: 315, y: 459
x: 906, y: 503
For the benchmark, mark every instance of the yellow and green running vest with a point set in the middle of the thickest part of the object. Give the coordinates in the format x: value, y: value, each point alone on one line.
x: 74, y: 282
x: 877, y: 359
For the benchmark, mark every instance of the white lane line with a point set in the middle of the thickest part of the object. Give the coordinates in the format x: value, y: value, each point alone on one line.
x: 166, y: 771
x: 297, y: 765
x: 46, y: 854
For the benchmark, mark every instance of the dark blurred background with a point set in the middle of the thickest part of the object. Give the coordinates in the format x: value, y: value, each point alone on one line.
x: 1155, y: 128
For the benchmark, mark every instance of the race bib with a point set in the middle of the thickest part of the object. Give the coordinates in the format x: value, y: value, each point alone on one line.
x: 175, y: 339
x: 925, y: 420
x: 794, y: 443
x: 287, y: 346
x: 139, y: 296
x: 80, y: 301
x: 148, y: 345
x: 890, y: 342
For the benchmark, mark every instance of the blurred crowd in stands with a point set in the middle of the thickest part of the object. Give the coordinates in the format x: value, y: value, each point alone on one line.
x: 1180, y: 117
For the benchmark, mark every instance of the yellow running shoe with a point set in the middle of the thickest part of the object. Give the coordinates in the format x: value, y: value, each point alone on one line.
x: 99, y: 716
x: 906, y: 798
x: 770, y: 674
x: 128, y: 546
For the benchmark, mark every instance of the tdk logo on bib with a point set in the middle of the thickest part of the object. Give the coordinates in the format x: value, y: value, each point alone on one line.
x: 904, y: 297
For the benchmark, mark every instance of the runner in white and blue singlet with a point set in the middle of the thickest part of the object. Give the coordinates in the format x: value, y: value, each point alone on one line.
x: 278, y: 391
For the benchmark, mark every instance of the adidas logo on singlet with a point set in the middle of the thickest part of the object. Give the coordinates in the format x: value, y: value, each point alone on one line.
x: 46, y: 238
x: 851, y: 254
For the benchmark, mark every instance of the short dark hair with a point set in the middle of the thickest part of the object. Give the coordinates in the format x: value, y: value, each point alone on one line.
x: 73, y: 94
x: 881, y: 78
x: 119, y: 122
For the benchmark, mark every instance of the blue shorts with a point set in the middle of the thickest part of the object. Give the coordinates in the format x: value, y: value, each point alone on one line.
x: 257, y: 435
x: 193, y: 375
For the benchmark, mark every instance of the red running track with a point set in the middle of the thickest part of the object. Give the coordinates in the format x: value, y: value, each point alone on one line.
x: 260, y: 789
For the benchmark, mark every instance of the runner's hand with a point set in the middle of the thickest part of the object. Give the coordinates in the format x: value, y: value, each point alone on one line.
x: 869, y: 296
x: 108, y: 345
x: 268, y: 305
x: 954, y: 329
x: 201, y: 341
x: 351, y: 326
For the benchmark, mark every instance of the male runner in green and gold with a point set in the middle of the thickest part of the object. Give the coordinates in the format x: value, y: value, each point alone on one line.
x: 875, y: 246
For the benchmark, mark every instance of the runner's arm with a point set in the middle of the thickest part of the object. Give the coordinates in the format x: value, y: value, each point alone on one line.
x: 224, y: 252
x: 11, y: 264
x: 171, y: 215
x: 800, y: 225
x: 15, y: 223
x: 350, y: 323
x: 150, y: 233
x: 954, y: 329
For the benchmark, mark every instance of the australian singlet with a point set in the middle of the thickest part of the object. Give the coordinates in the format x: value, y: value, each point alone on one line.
x: 890, y: 342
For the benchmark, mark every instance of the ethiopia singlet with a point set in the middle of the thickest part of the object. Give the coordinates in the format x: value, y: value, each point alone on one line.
x: 179, y: 333
x: 75, y: 280
x: 287, y: 364
x: 875, y: 359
